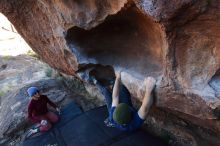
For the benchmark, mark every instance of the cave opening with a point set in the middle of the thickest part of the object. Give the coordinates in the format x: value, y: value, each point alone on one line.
x: 129, y: 40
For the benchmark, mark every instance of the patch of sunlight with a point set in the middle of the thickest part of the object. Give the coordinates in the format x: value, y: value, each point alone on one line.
x: 11, y: 43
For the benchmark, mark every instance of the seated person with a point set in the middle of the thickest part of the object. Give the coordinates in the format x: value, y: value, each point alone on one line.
x: 122, y: 114
x: 38, y: 112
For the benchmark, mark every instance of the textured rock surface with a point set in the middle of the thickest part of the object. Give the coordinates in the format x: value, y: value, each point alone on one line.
x: 175, y: 41
x: 18, y: 71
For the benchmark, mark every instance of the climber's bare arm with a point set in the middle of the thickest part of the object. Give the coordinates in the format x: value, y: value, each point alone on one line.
x: 147, y: 100
x: 115, y: 94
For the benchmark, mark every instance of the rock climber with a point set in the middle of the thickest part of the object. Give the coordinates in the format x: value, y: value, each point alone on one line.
x: 122, y: 114
x: 38, y: 112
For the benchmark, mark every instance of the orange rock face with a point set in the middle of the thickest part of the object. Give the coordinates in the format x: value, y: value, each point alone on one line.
x: 177, y: 42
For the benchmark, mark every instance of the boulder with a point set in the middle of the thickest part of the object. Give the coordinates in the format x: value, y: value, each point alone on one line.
x: 177, y: 42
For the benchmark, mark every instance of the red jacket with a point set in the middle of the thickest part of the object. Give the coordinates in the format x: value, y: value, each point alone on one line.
x: 38, y: 107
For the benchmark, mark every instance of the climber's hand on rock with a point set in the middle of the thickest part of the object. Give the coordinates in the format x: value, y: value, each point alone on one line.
x: 118, y: 74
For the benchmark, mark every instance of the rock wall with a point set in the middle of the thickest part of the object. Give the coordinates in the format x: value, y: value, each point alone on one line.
x: 177, y: 42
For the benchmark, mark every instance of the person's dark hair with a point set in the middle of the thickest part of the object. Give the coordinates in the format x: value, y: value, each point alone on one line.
x: 122, y: 114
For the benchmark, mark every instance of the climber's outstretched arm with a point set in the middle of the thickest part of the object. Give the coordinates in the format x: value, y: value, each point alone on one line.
x: 148, y: 99
x: 115, y: 94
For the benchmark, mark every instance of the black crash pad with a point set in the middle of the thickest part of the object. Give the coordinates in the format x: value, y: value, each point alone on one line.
x: 88, y: 129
